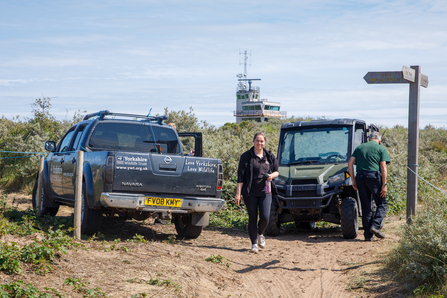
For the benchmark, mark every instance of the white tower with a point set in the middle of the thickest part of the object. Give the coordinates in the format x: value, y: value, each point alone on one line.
x: 249, y: 105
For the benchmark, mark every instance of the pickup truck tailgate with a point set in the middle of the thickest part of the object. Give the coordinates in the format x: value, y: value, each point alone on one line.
x: 158, y: 173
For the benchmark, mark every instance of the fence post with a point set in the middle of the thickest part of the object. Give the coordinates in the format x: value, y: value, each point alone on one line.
x: 78, y: 194
x: 40, y: 185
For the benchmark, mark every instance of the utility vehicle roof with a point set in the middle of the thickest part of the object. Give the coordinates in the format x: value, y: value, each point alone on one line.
x: 322, y: 122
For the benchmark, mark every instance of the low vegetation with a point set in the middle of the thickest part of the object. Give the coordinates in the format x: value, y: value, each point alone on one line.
x: 420, y: 257
x: 219, y: 260
x: 45, y: 245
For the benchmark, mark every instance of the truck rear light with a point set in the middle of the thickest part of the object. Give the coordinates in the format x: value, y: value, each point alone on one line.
x: 108, y: 173
x: 220, y: 177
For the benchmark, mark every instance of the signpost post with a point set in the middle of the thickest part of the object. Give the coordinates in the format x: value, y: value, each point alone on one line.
x: 413, y: 76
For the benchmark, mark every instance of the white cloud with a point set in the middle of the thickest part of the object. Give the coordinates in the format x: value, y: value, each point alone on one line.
x: 310, y: 55
x: 6, y: 82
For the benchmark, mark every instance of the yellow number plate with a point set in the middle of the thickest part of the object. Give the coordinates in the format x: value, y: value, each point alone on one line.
x: 168, y: 202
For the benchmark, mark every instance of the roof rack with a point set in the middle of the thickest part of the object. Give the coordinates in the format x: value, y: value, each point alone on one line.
x: 102, y: 114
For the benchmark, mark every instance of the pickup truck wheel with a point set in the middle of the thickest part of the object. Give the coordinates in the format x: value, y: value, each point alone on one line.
x: 274, y: 226
x: 185, y: 229
x: 349, y: 218
x: 44, y: 199
x: 90, y: 218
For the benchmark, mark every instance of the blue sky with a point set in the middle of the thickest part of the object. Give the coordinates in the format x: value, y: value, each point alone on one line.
x: 131, y: 56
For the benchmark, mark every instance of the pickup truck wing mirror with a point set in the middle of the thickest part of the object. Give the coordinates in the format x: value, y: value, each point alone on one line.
x: 197, y: 141
x: 50, y: 146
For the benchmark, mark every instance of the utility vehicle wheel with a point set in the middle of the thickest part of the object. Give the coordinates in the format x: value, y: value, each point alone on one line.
x: 185, y: 229
x: 274, y: 226
x: 90, y: 218
x: 349, y: 218
x: 44, y: 199
x: 305, y: 225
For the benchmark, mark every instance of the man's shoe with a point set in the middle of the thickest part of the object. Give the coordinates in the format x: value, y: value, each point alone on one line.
x: 254, y: 249
x: 377, y: 232
x: 261, y: 241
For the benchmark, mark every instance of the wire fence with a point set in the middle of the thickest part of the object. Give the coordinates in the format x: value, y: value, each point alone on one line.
x: 426, y: 181
x: 33, y: 154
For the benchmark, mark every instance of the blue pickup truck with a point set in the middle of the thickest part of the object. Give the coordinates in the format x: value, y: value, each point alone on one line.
x: 134, y: 165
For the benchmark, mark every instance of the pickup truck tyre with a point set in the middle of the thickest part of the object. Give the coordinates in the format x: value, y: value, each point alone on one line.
x: 185, y: 229
x: 349, y: 218
x: 274, y: 226
x: 90, y: 218
x: 52, y: 211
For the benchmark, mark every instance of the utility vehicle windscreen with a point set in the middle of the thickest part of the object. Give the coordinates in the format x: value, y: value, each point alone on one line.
x: 315, y: 146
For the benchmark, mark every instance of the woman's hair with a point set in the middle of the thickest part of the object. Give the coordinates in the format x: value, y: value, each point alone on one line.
x: 260, y: 134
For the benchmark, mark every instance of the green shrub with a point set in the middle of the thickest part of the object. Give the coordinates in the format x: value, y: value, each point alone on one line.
x: 219, y: 260
x: 40, y: 252
x: 227, y: 143
x: 21, y: 289
x: 10, y: 258
x: 231, y: 216
x: 82, y: 287
x: 18, y: 171
x: 432, y: 164
x: 420, y: 257
x: 15, y: 222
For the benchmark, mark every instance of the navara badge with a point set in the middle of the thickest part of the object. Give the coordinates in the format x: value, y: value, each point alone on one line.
x: 167, y: 160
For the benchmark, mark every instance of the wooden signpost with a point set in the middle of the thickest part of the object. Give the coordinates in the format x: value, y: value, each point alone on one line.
x: 413, y: 76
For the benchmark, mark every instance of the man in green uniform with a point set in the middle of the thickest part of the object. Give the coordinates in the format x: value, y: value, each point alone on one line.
x: 371, y: 159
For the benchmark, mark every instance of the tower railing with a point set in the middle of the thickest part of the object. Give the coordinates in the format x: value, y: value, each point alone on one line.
x: 265, y: 113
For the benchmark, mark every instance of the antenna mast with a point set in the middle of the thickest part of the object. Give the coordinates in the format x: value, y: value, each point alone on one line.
x: 243, y: 76
x: 246, y: 54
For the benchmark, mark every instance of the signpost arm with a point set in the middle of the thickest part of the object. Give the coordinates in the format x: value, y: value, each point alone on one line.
x: 413, y: 143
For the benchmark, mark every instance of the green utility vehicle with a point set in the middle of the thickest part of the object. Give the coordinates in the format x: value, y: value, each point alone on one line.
x: 313, y: 182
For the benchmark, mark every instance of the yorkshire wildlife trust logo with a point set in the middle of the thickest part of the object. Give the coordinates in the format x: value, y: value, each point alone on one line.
x: 167, y: 160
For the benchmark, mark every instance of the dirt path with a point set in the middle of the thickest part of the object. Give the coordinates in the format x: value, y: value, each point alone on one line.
x: 317, y: 263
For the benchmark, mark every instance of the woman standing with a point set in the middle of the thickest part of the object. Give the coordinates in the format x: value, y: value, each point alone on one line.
x: 257, y: 168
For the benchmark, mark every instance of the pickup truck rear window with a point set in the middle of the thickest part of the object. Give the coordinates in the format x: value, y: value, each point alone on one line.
x: 134, y: 138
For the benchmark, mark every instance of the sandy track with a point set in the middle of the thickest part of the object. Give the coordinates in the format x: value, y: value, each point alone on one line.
x: 317, y: 263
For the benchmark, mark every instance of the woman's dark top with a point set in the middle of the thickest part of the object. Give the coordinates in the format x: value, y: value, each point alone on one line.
x: 261, y: 166
x: 251, y: 171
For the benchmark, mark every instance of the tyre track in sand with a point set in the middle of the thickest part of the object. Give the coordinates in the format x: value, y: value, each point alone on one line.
x: 299, y: 264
